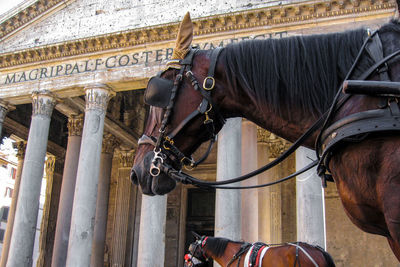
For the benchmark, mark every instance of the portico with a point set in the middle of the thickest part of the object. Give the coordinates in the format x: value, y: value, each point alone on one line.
x: 76, y: 92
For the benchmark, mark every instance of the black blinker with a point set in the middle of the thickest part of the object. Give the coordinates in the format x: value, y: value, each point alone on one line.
x: 158, y: 92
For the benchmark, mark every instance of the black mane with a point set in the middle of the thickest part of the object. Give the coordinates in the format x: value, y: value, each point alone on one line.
x: 301, y: 71
x: 217, y: 245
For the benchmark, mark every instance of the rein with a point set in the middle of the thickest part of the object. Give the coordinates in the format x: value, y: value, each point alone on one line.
x: 164, y: 146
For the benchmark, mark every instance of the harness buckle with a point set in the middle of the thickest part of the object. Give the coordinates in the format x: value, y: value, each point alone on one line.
x: 205, y: 83
x: 188, y: 164
x: 170, y: 141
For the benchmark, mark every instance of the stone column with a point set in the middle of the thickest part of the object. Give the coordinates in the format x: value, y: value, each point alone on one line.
x: 249, y: 214
x: 152, y: 231
x: 49, y: 170
x: 125, y: 189
x: 75, y: 125
x: 310, y: 201
x: 228, y: 202
x: 23, y: 237
x: 103, y: 188
x: 270, y: 207
x: 21, y: 146
x: 84, y: 206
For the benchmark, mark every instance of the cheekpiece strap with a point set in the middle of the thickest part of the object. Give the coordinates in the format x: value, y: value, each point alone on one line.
x: 209, y: 81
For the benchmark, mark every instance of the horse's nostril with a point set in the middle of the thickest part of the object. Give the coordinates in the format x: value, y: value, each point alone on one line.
x: 134, y: 177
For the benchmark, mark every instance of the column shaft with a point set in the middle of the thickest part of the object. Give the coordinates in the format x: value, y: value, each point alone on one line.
x: 11, y: 214
x: 228, y: 202
x: 152, y: 231
x: 44, y: 227
x: 60, y: 248
x: 23, y: 237
x: 84, y: 206
x: 121, y: 218
x: 100, y: 224
x: 249, y: 211
x: 310, y: 202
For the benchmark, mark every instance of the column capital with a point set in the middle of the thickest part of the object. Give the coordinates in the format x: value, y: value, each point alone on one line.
x: 126, y: 158
x: 97, y: 96
x: 21, y: 148
x: 50, y: 165
x: 4, y: 108
x: 262, y: 135
x: 276, y: 145
x: 43, y: 103
x: 75, y: 125
x: 110, y: 142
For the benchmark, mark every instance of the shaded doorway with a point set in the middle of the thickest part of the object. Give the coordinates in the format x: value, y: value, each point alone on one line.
x: 200, y: 216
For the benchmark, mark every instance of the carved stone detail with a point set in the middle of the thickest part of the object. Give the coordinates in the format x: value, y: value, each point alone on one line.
x: 4, y: 108
x: 75, y: 125
x: 97, y: 96
x: 126, y: 158
x: 263, y: 17
x: 21, y: 148
x: 110, y: 142
x: 43, y: 103
x: 262, y: 135
x: 50, y: 164
x: 276, y: 145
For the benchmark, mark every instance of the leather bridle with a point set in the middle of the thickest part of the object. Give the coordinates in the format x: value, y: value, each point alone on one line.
x: 164, y: 147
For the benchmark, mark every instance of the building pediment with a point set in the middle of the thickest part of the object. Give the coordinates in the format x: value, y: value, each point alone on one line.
x: 28, y: 14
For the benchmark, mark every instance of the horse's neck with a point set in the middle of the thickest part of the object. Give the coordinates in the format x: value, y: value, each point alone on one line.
x: 230, y: 251
x: 288, y: 126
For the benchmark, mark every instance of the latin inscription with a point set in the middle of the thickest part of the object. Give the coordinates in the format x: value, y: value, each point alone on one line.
x: 116, y: 61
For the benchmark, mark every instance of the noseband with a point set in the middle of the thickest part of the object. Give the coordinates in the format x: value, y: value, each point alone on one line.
x: 164, y: 147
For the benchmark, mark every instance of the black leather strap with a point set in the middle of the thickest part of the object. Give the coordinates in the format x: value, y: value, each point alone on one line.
x: 209, y: 81
x: 375, y: 50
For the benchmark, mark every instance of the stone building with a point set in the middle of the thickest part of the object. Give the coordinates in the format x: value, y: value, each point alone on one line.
x: 72, y: 77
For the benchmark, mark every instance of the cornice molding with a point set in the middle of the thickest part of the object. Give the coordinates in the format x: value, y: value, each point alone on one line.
x: 273, y: 16
x: 27, y: 15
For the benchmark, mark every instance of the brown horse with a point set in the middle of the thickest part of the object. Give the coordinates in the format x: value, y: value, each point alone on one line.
x: 283, y: 86
x: 231, y: 253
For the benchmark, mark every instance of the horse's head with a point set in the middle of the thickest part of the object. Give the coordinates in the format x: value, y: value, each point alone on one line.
x: 182, y: 115
x: 197, y: 256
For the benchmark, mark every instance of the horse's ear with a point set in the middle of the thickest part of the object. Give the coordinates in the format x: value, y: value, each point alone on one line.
x: 196, y: 235
x: 184, y: 38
